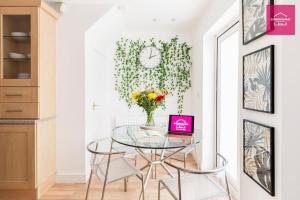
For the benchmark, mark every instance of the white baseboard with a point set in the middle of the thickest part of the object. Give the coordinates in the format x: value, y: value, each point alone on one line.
x: 70, y: 178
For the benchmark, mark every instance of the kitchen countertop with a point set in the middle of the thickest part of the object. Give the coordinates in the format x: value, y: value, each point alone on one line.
x: 24, y: 121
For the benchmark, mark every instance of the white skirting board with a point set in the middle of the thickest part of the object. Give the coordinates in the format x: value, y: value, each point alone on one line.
x: 71, y: 178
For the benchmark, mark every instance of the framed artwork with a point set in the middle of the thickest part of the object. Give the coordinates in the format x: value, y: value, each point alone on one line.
x: 259, y: 155
x: 254, y: 13
x: 258, y: 80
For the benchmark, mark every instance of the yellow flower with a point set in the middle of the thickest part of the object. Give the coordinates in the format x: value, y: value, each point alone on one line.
x: 152, y: 95
x: 135, y: 96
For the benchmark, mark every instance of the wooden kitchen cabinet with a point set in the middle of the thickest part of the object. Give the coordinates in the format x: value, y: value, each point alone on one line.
x: 27, y: 99
x: 27, y: 59
x: 17, y: 156
x: 27, y: 158
x: 19, y: 46
x: 18, y: 94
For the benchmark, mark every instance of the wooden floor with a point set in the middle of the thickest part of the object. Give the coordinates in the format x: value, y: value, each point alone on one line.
x: 114, y: 191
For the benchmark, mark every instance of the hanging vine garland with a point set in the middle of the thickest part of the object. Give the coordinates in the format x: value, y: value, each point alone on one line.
x: 173, y: 73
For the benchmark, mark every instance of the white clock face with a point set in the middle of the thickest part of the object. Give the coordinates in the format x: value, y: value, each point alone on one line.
x: 150, y: 57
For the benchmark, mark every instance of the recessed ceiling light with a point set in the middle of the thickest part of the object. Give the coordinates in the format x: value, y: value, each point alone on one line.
x: 173, y: 19
x: 154, y: 20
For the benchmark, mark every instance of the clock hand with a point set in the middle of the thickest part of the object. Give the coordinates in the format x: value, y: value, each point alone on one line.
x: 150, y: 54
x: 152, y: 57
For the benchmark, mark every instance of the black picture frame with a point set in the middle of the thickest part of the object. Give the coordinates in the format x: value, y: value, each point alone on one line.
x: 180, y: 132
x: 271, y: 2
x: 272, y: 82
x: 271, y: 190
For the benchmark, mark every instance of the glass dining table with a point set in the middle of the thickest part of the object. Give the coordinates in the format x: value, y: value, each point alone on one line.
x: 144, y: 139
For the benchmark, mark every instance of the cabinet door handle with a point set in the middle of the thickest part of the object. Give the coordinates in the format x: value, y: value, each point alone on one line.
x: 12, y: 111
x: 14, y: 95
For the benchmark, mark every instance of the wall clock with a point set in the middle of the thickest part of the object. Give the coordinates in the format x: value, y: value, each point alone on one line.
x: 150, y: 57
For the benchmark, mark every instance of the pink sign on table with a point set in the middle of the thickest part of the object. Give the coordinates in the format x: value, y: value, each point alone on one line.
x: 181, y: 124
x: 281, y: 20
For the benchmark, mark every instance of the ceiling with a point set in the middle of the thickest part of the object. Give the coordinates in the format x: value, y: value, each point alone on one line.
x: 162, y: 12
x: 153, y: 12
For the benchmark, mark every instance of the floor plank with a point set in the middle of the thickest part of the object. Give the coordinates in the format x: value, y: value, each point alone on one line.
x: 114, y: 191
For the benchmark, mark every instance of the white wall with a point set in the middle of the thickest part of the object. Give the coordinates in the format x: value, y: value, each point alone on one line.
x: 285, y: 120
x: 70, y: 89
x: 82, y: 31
x: 104, y: 35
x: 287, y: 100
x: 248, y: 186
x: 118, y: 106
x: 290, y: 112
x: 249, y: 189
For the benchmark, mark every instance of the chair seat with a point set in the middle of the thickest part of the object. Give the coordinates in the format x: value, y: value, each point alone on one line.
x: 122, y: 148
x: 194, y: 187
x: 119, y: 168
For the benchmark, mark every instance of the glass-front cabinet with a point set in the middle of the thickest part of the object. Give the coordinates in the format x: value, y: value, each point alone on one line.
x: 19, y: 38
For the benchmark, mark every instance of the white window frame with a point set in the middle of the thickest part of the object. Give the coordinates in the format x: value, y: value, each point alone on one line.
x: 225, y: 33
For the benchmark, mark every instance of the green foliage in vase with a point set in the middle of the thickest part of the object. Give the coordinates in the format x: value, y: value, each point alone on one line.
x: 149, y: 100
x: 173, y: 73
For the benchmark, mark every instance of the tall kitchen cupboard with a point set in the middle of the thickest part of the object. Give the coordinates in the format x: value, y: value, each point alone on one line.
x: 27, y: 99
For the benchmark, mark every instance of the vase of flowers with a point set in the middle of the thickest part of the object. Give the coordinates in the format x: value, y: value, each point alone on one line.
x: 150, y: 100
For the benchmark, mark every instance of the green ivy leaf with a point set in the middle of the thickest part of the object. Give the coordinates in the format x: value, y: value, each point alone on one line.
x: 174, y: 72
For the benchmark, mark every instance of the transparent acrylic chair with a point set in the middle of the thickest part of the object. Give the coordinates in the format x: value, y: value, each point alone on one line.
x: 130, y: 152
x: 197, y: 185
x: 184, y: 154
x: 110, y: 165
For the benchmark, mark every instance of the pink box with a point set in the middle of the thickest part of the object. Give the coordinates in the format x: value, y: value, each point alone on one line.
x: 281, y: 20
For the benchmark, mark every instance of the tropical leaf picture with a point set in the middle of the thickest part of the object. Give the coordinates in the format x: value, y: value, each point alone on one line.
x: 259, y: 154
x: 254, y: 19
x: 258, y: 80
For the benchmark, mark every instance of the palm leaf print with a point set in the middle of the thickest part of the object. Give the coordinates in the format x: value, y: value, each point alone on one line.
x: 257, y: 81
x: 257, y: 154
x: 254, y: 18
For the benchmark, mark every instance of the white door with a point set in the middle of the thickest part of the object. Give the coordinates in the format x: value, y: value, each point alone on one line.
x: 227, y: 100
x: 98, y: 124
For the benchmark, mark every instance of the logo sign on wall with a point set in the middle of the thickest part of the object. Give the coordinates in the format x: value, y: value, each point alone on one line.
x: 181, y: 124
x: 281, y: 19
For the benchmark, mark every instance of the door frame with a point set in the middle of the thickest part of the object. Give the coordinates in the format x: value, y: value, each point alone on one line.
x: 232, y: 28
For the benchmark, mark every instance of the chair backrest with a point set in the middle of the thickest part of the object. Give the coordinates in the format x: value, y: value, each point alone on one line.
x: 216, y: 170
x: 215, y: 189
x: 102, y: 147
x: 139, y: 120
x: 129, y: 120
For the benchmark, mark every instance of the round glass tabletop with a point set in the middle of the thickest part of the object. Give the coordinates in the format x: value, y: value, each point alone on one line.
x: 139, y: 137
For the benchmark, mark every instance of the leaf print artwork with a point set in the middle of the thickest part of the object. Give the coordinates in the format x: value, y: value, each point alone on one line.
x: 254, y: 19
x: 259, y: 154
x: 258, y: 80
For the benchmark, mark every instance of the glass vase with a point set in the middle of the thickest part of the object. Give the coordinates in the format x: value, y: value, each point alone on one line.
x: 150, y: 119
